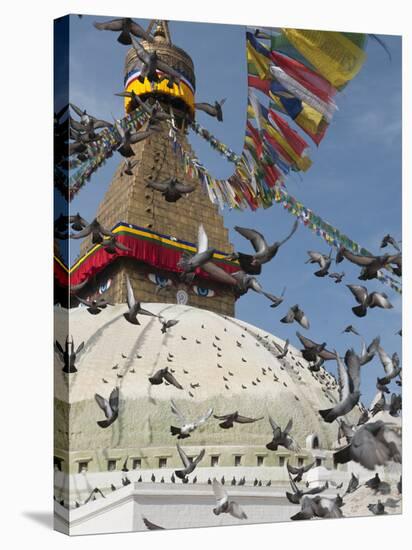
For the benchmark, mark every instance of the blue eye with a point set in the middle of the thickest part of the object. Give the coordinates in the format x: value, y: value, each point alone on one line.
x: 160, y: 280
x: 203, y: 292
x: 105, y: 286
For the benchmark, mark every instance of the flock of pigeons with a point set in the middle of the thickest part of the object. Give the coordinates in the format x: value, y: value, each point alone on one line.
x: 370, y: 443
x: 371, y: 266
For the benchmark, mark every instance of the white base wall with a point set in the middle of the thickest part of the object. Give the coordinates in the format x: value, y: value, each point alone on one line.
x: 171, y: 507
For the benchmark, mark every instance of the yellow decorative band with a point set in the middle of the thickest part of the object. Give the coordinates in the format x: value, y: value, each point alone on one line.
x: 182, y: 91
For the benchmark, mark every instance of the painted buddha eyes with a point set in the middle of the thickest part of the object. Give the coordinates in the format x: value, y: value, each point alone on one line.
x: 105, y: 286
x: 160, y: 280
x: 163, y: 282
x: 203, y: 292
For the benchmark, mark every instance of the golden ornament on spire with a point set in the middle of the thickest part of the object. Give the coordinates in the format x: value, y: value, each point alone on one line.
x: 180, y: 97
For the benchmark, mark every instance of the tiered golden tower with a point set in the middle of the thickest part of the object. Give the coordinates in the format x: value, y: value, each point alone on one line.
x: 128, y: 200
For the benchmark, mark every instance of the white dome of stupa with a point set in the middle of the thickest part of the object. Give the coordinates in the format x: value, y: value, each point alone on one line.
x: 221, y: 362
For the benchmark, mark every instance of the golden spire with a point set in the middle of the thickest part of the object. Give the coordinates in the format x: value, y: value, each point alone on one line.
x: 161, y: 32
x: 180, y: 96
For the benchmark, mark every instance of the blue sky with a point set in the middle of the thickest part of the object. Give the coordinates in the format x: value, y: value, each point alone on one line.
x: 354, y: 183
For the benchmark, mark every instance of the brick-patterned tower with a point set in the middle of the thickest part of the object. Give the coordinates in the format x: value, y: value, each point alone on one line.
x: 128, y: 199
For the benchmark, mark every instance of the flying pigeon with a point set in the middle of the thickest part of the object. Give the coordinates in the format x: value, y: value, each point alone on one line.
x: 282, y: 351
x: 373, y: 444
x: 151, y: 63
x: 110, y: 407
x: 111, y: 245
x: 337, y: 276
x: 80, y: 136
x: 188, y: 263
x: 378, y: 403
x: 247, y: 282
x: 323, y: 261
x: 298, y: 315
x: 252, y: 264
x: 127, y: 138
x: 368, y: 353
x: 135, y: 307
x: 229, y: 419
x: 135, y: 101
x: 296, y: 496
x: 282, y: 437
x: 298, y: 471
x: 76, y: 222
x: 127, y: 27
x: 164, y: 375
x: 94, y: 307
x: 212, y: 110
x: 391, y: 366
x: 128, y: 167
x: 220, y: 275
x: 88, y: 123
x: 68, y: 355
x: 172, y: 189
x: 352, y: 329
x: 95, y: 229
x: 312, y: 351
x: 366, y: 300
x: 187, y: 426
x: 370, y: 264
x: 224, y: 505
x: 349, y: 387
x: 188, y: 462
x: 167, y: 324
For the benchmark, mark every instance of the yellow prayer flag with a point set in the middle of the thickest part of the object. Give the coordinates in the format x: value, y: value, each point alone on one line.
x: 337, y: 58
x: 303, y: 163
x: 309, y: 119
x: 250, y: 111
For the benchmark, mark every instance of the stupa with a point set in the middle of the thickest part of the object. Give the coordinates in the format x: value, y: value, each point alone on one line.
x: 219, y: 361
x: 156, y: 231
